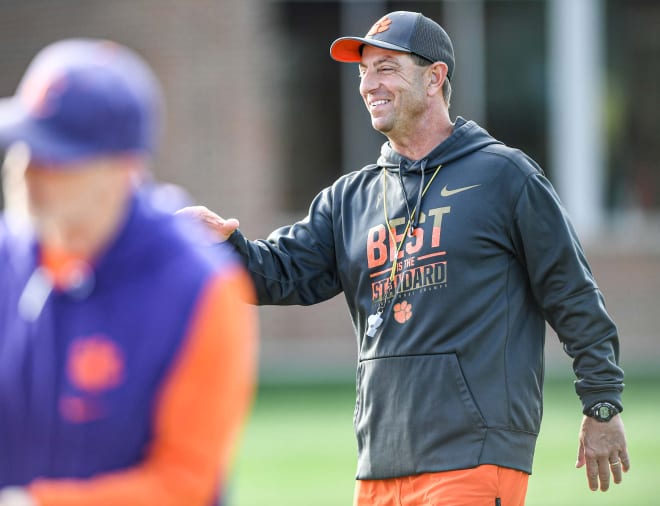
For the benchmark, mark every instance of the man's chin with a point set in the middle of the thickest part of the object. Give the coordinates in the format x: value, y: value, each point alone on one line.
x: 380, y: 126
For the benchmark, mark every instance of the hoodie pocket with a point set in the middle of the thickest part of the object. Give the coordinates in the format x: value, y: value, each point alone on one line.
x: 415, y: 414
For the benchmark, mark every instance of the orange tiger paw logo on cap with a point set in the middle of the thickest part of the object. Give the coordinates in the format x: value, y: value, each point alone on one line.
x: 402, y: 311
x: 380, y: 26
x: 41, y: 93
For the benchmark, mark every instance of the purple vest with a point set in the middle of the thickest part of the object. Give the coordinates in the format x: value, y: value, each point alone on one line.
x: 81, y: 370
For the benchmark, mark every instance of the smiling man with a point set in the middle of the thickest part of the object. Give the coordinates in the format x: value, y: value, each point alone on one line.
x: 452, y: 251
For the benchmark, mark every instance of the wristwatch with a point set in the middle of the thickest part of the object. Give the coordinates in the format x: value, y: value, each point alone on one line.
x: 602, y: 411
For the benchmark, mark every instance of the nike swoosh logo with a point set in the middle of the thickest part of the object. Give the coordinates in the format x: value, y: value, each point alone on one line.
x: 445, y: 192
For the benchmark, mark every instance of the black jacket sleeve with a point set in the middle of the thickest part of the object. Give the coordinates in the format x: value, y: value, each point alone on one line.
x: 296, y: 264
x: 565, y: 290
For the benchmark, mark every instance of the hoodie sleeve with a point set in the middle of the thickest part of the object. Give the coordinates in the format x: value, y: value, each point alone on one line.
x: 202, y: 407
x: 565, y: 290
x: 296, y: 264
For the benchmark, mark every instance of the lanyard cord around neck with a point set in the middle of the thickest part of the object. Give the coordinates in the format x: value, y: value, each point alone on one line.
x: 410, y: 219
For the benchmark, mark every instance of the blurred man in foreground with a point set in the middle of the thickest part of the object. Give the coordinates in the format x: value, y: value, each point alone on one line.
x: 127, y: 353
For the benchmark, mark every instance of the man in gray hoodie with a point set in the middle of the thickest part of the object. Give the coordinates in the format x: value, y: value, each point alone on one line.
x: 452, y: 252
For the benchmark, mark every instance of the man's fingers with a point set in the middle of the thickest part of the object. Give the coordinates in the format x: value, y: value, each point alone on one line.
x: 625, y: 460
x: 598, y: 474
x: 580, y: 458
x: 617, y: 469
x: 604, y: 474
x: 619, y: 465
x: 592, y: 474
x: 229, y: 226
x: 223, y: 228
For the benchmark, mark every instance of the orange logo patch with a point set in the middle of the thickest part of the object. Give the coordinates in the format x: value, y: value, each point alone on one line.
x: 380, y: 26
x: 402, y: 311
x: 41, y: 93
x: 95, y: 364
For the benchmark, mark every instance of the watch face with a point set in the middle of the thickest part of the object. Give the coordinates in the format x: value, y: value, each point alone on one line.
x: 604, y: 412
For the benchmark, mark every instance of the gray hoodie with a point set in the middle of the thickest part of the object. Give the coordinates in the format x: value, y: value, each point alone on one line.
x: 450, y: 365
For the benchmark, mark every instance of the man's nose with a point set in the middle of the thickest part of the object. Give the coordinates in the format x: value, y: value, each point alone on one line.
x: 368, y: 82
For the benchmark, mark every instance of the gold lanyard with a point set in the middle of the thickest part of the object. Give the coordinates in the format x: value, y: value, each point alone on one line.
x: 410, y: 219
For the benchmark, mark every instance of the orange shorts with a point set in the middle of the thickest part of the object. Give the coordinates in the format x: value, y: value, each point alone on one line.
x: 486, y: 485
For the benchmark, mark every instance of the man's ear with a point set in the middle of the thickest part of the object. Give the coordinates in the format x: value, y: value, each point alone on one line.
x: 437, y: 75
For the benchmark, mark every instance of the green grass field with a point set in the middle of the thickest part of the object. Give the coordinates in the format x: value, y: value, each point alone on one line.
x: 299, y: 450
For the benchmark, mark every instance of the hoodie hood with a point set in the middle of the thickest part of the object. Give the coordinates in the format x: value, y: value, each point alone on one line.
x: 466, y: 138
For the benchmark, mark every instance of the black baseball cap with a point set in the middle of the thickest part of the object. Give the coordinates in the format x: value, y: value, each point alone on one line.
x: 408, y: 32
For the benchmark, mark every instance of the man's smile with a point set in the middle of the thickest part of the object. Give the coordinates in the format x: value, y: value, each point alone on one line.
x: 373, y: 104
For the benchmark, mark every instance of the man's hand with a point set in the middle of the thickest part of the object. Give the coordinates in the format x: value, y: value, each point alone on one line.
x: 220, y: 228
x: 603, y: 449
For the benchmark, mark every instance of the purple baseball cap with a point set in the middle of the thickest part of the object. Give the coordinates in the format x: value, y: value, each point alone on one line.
x: 83, y: 98
x: 405, y: 31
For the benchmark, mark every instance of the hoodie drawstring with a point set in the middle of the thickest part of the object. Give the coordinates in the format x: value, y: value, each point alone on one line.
x: 413, y: 219
x: 405, y: 193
